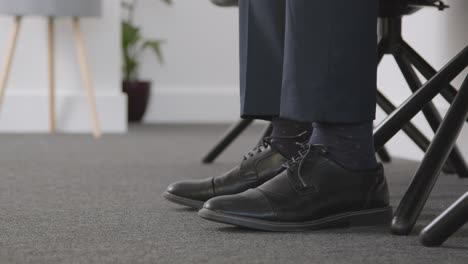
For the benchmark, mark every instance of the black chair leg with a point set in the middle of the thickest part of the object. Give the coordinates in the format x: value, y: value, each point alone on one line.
x: 232, y: 133
x: 406, y: 111
x: 409, y: 129
x: 423, y: 181
x: 446, y: 224
x: 456, y: 162
x: 449, y: 92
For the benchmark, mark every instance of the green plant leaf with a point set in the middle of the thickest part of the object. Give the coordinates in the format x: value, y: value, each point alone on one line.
x: 133, y: 43
x: 130, y: 35
x: 155, y: 46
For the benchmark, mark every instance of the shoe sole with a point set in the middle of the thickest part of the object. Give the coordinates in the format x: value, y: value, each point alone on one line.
x: 182, y: 200
x: 374, y: 217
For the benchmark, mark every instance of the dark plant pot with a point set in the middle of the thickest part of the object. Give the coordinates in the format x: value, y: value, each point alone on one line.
x: 138, y: 93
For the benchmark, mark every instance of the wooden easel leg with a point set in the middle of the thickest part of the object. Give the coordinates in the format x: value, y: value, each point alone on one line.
x: 51, y: 36
x: 9, y: 57
x: 86, y: 76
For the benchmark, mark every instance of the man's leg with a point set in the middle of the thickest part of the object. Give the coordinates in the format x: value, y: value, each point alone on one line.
x: 330, y: 61
x: 330, y: 75
x: 329, y: 79
x: 261, y: 36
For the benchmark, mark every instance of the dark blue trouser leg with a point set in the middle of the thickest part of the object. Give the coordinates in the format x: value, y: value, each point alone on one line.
x: 261, y: 25
x: 308, y: 60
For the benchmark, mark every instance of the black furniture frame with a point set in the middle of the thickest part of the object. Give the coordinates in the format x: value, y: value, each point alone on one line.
x: 442, y: 147
x: 439, y: 150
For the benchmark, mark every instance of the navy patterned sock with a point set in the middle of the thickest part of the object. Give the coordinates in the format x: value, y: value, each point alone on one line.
x: 286, y: 134
x: 351, y: 145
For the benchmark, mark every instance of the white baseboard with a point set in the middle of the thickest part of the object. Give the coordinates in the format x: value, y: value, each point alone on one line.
x: 193, y: 105
x: 27, y: 112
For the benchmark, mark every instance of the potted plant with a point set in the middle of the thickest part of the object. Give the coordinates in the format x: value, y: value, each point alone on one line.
x: 133, y: 45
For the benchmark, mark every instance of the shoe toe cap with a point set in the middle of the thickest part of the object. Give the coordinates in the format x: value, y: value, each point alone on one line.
x: 201, y: 190
x: 177, y: 188
x: 251, y: 203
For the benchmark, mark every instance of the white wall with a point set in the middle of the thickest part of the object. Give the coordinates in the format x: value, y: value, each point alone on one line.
x: 25, y: 107
x: 201, y: 72
x: 201, y: 69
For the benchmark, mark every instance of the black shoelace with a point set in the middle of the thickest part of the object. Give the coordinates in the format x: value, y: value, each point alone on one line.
x: 297, y: 161
x: 266, y: 142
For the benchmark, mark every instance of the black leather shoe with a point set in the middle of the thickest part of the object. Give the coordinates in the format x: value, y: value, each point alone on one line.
x: 260, y: 165
x: 313, y: 192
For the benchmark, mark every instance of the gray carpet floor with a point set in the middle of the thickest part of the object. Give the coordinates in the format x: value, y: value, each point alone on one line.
x: 71, y: 199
